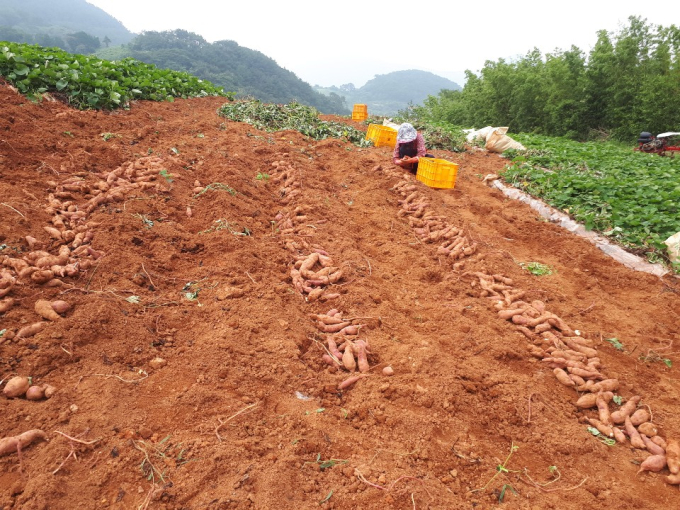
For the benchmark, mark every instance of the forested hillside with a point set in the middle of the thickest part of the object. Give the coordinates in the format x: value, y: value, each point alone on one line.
x: 386, y: 94
x: 628, y: 83
x: 73, y: 25
x: 226, y: 64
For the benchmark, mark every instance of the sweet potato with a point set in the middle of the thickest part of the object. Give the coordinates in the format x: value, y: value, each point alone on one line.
x: 604, y: 429
x: 652, y: 447
x: 654, y: 463
x: 60, y: 306
x: 35, y: 393
x: 673, y: 456
x: 16, y: 387
x: 619, y: 435
x: 362, y: 359
x: 6, y: 304
x: 31, y: 329
x: 333, y: 348
x: 586, y: 374
x: 626, y: 409
x: 603, y: 410
x: 44, y: 309
x: 563, y: 377
x: 332, y: 328
x: 350, y: 381
x: 42, y: 276
x: 659, y: 440
x: 18, y: 443
x: 639, y: 417
x: 49, y: 390
x: 673, y: 479
x: 348, y: 357
x: 634, y: 435
x: 590, y: 399
x: 648, y: 429
x: 606, y: 385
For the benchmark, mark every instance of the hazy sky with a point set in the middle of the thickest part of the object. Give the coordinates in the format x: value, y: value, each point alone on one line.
x: 333, y: 43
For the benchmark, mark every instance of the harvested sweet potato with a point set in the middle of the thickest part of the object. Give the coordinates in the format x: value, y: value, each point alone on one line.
x: 652, y: 447
x: 606, y: 385
x: 673, y: 456
x: 619, y: 435
x: 639, y: 417
x: 348, y: 357
x: 333, y: 348
x: 31, y: 329
x: 563, y: 377
x: 44, y: 309
x: 16, y: 387
x: 626, y: 409
x: 604, y: 429
x: 49, y: 390
x: 362, y: 359
x: 6, y: 304
x: 654, y: 463
x: 590, y: 399
x: 60, y: 306
x: 35, y: 393
x: 350, y: 381
x: 673, y: 479
x: 603, y: 410
x: 648, y: 429
x: 634, y: 435
x: 18, y: 443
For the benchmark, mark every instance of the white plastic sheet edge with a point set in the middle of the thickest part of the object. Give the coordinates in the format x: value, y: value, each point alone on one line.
x: 555, y: 216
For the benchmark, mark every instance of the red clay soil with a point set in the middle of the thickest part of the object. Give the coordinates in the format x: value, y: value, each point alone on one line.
x: 189, y: 370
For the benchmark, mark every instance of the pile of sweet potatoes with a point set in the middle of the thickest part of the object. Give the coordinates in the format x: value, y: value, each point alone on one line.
x: 343, y: 348
x: 20, y: 386
x: 312, y: 274
x: 285, y: 174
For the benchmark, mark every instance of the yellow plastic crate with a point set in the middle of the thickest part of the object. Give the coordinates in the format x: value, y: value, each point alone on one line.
x: 382, y: 136
x: 437, y: 173
x: 360, y: 112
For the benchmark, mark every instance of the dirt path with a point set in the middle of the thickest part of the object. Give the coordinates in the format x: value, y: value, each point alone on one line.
x: 189, y: 370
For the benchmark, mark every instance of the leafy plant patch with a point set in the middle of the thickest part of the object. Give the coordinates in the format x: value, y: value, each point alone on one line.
x: 630, y: 197
x: 293, y: 116
x: 90, y: 82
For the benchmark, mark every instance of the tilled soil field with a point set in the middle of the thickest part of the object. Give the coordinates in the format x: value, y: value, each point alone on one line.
x: 193, y: 295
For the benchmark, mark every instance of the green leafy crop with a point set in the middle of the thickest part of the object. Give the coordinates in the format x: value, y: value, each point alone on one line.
x: 631, y: 197
x: 293, y: 116
x: 89, y: 82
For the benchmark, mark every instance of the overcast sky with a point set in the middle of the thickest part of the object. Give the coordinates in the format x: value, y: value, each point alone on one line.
x: 333, y: 43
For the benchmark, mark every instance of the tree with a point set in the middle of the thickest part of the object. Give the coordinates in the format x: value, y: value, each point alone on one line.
x: 82, y: 42
x: 106, y: 41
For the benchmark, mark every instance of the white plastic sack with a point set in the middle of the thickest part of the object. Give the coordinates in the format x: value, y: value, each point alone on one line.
x: 673, y: 243
x: 498, y: 141
x: 480, y: 133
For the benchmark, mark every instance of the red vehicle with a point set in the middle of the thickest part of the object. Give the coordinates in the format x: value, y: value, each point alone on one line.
x: 664, y: 144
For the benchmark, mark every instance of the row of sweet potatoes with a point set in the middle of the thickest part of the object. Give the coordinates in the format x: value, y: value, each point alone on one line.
x: 575, y: 362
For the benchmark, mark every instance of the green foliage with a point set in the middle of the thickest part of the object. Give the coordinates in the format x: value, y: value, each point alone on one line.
x: 88, y: 82
x: 631, y: 197
x: 615, y: 343
x: 293, y: 116
x: 629, y: 82
x: 536, y: 268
